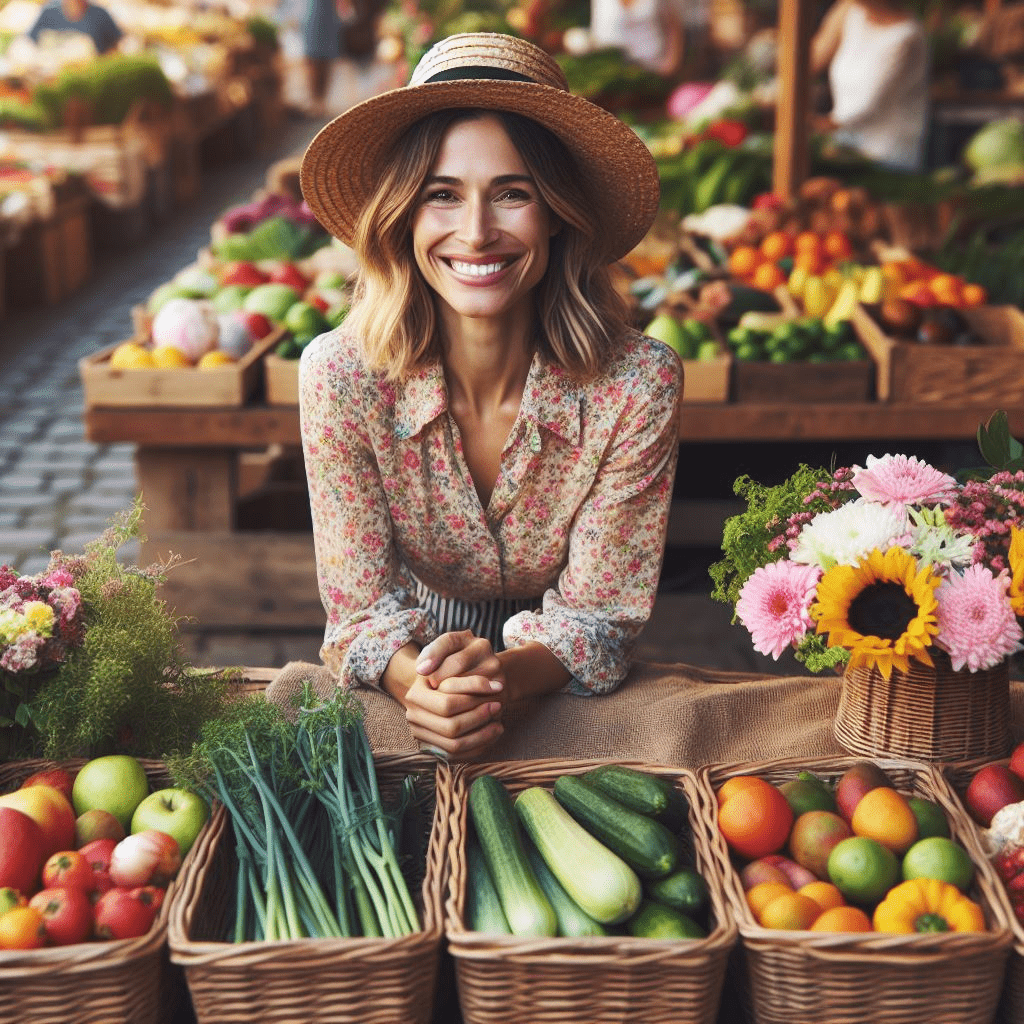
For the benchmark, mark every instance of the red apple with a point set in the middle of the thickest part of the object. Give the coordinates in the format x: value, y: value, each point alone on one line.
x: 288, y: 273
x: 1016, y: 764
x: 97, y: 824
x: 315, y: 299
x: 21, y: 850
x: 51, y: 810
x: 797, y: 874
x: 991, y: 788
x: 244, y: 273
x: 59, y: 778
x: 256, y: 324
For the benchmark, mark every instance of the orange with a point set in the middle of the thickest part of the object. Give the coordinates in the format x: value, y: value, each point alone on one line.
x: 762, y: 894
x: 884, y: 815
x: 837, y: 245
x: 169, y: 357
x: 947, y: 288
x: 743, y: 260
x: 842, y: 919
x: 22, y: 928
x: 215, y: 358
x: 130, y: 355
x: 811, y: 260
x: 807, y: 240
x: 972, y: 295
x: 753, y: 816
x: 777, y: 244
x: 825, y: 894
x: 768, y: 276
x: 791, y: 911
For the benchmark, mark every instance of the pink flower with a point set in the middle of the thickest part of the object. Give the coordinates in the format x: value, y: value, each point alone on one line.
x: 775, y: 603
x: 902, y: 480
x: 977, y: 627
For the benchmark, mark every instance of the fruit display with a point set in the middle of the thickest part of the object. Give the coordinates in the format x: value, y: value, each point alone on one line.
x: 603, y: 852
x: 87, y: 854
x: 769, y: 338
x: 847, y: 851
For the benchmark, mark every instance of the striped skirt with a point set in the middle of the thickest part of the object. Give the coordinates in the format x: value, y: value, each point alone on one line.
x: 483, y: 618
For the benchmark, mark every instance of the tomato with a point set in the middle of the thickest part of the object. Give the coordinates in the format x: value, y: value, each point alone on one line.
x: 67, y: 914
x: 22, y: 850
x: 97, y: 853
x: 119, y: 914
x: 70, y: 869
x: 150, y: 894
x: 11, y: 898
x: 22, y: 928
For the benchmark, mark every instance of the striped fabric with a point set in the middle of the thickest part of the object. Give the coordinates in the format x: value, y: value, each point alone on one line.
x: 483, y: 618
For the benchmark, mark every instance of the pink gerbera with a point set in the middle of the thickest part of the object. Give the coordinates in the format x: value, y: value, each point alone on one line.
x: 977, y: 627
x: 775, y: 604
x: 902, y: 480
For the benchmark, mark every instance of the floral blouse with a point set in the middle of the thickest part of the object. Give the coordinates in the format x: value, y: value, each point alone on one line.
x: 578, y: 514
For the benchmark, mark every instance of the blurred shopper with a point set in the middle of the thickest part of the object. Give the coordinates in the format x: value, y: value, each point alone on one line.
x: 876, y: 56
x: 321, y: 46
x: 649, y: 32
x: 81, y: 18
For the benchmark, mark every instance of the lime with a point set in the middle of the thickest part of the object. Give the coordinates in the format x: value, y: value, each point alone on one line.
x: 941, y: 858
x: 804, y: 794
x: 862, y: 869
x: 931, y: 819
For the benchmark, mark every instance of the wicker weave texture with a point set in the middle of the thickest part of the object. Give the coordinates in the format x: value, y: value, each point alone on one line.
x: 510, y: 980
x: 870, y: 978
x: 313, y: 981
x: 925, y: 714
x: 127, y: 980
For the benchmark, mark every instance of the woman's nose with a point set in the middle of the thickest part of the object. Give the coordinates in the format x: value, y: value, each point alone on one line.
x: 476, y: 226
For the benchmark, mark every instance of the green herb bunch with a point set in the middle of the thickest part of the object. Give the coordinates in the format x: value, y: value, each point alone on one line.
x: 128, y: 688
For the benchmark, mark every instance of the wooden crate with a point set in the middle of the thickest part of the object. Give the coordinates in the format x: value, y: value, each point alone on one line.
x: 282, y: 378
x: 230, y: 385
x: 991, y: 374
x: 803, y: 382
x: 707, y: 380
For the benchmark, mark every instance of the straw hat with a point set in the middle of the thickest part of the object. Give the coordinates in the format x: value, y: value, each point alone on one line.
x: 487, y: 70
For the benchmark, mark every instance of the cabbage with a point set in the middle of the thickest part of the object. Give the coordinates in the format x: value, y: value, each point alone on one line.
x: 999, y: 144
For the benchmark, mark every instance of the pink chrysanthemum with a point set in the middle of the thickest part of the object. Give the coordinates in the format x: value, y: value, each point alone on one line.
x: 902, y: 480
x: 775, y: 604
x: 977, y: 627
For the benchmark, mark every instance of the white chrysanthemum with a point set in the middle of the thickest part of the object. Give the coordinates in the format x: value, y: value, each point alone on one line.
x: 846, y: 534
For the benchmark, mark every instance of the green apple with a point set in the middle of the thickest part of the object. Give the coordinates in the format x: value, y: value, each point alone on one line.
x: 668, y: 329
x: 178, y: 812
x: 162, y: 296
x: 304, y: 318
x: 273, y: 300
x: 230, y: 298
x: 116, y: 783
x: 708, y: 351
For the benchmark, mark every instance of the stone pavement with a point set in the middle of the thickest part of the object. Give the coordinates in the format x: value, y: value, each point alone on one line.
x: 58, y: 490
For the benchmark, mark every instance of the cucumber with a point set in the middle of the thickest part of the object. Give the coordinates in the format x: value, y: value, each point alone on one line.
x: 483, y: 911
x: 684, y: 890
x: 598, y: 881
x: 572, y: 921
x: 656, y: 921
x: 646, y: 845
x: 640, y: 791
x: 527, y: 909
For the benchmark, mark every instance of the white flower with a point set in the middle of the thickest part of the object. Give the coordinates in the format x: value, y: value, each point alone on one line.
x: 934, y: 542
x: 846, y: 534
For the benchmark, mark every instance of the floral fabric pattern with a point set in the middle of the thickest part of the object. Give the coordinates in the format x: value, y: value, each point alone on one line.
x: 578, y: 513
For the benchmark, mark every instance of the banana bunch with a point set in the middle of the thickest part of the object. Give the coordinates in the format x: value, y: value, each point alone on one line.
x: 834, y: 295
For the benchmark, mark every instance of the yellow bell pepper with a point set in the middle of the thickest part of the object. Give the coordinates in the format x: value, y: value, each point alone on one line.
x: 816, y: 297
x: 872, y: 286
x: 797, y: 282
x: 927, y: 905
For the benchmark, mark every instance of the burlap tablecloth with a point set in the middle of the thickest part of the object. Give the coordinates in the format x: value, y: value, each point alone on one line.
x: 662, y: 713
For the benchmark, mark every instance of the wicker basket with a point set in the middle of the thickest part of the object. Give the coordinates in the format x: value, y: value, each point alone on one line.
x: 124, y: 980
x: 926, y: 714
x: 870, y: 977
x: 313, y: 981
x: 506, y: 979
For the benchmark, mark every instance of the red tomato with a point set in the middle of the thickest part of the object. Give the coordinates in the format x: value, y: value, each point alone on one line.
x: 70, y: 869
x: 119, y: 914
x: 67, y: 914
x: 22, y: 850
x: 150, y: 894
x: 22, y: 928
x: 97, y: 853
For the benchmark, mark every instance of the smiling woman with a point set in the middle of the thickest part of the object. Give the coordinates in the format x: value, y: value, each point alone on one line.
x: 490, y: 450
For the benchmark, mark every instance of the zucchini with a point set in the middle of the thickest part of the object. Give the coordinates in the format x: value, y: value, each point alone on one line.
x: 527, y: 909
x: 483, y: 911
x: 598, y: 881
x: 685, y: 890
x: 656, y: 921
x: 641, y: 791
x: 646, y: 845
x: 572, y: 921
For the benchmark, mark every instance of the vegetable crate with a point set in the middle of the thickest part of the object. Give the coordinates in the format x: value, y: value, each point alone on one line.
x: 315, y: 981
x: 282, y: 377
x: 124, y: 980
x: 869, y: 977
x: 503, y: 979
x: 1011, y: 1007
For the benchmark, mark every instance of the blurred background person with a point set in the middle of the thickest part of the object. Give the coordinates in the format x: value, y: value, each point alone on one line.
x: 875, y: 53
x: 649, y: 32
x: 321, y: 45
x: 80, y: 18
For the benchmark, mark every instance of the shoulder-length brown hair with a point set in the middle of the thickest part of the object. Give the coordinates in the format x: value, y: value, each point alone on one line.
x: 579, y: 313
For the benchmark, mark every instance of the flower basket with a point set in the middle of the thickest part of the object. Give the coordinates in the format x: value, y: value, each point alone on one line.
x: 869, y: 977
x: 505, y: 979
x: 929, y: 713
x: 316, y: 981
x: 130, y: 980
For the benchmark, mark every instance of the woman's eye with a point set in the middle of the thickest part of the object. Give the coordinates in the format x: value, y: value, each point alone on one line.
x: 514, y: 195
x: 440, y: 195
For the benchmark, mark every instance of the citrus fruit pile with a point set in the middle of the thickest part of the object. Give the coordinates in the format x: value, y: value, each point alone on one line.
x: 855, y: 856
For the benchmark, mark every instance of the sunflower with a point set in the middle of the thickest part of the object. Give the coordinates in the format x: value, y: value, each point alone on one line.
x: 882, y: 610
x: 1016, y: 557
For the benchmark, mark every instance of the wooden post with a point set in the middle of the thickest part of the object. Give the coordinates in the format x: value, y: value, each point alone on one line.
x: 793, y: 110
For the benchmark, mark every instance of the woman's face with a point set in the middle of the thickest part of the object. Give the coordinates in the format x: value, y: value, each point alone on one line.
x: 481, y: 231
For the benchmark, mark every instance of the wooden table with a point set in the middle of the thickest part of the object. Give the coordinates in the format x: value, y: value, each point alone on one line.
x: 224, y: 490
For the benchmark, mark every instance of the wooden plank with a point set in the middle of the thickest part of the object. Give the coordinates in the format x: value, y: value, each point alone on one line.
x: 254, y: 426
x: 187, y: 490
x: 792, y: 128
x: 257, y: 580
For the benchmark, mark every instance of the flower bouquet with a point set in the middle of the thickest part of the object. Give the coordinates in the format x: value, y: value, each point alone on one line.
x: 899, y: 574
